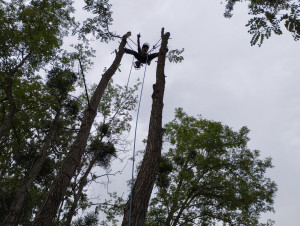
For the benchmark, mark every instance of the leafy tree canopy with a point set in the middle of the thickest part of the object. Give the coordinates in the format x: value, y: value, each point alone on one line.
x: 268, y: 17
x: 32, y: 31
x: 38, y: 78
x: 209, y: 175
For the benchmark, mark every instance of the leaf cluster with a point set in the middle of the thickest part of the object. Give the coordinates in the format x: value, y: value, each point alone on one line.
x: 111, y: 208
x: 90, y: 219
x: 267, y: 17
x: 174, y: 56
x: 32, y: 29
x: 97, y: 25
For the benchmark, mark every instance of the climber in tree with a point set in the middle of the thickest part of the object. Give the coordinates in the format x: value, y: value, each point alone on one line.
x: 142, y: 55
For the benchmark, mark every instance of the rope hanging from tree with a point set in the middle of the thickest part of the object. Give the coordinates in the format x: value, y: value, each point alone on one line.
x: 137, y: 116
x: 135, y: 132
x: 136, y: 123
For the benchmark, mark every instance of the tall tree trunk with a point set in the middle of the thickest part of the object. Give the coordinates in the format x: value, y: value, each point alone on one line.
x: 60, y: 184
x: 22, y: 192
x: 147, y: 175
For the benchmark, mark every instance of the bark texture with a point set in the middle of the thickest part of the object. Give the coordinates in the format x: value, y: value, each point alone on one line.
x: 147, y: 175
x: 58, y: 188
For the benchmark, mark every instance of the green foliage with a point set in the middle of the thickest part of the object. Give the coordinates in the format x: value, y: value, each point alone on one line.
x: 112, y: 208
x: 37, y: 83
x: 267, y: 15
x: 61, y: 81
x: 209, y: 175
x: 90, y: 219
x: 72, y: 106
x: 174, y: 56
x: 32, y: 29
x: 269, y: 223
x: 115, y: 108
x: 37, y: 105
x: 98, y: 25
x: 165, y: 168
x: 103, y: 152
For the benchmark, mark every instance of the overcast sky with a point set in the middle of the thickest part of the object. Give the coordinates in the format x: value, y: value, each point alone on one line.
x: 222, y: 78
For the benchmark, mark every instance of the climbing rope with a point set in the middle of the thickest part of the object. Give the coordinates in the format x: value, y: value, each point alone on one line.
x: 117, y: 36
x: 129, y: 73
x: 132, y: 41
x: 129, y: 46
x: 136, y: 123
x: 155, y: 46
x: 134, y: 140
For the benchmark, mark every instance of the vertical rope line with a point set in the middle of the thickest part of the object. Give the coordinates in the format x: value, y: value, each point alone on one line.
x: 129, y: 73
x: 133, y: 155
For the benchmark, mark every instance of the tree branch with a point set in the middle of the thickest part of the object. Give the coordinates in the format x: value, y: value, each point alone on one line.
x: 58, y: 188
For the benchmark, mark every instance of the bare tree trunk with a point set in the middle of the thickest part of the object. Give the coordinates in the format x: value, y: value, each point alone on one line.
x: 59, y: 186
x: 147, y: 175
x: 22, y: 192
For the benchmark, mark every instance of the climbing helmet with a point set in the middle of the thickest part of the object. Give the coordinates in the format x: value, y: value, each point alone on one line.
x: 146, y: 44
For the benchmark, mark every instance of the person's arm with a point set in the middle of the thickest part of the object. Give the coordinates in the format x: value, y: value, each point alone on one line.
x: 139, y: 44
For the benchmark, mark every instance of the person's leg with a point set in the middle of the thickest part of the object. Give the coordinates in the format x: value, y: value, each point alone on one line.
x: 137, y: 64
x: 138, y: 56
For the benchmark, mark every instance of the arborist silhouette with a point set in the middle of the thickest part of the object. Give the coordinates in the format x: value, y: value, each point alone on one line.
x: 142, y: 55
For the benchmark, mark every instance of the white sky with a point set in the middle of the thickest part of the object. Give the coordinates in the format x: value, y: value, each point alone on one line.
x: 222, y: 78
